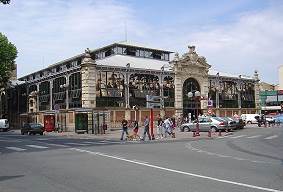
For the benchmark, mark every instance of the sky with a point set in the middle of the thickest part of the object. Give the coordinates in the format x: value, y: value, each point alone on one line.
x: 235, y: 36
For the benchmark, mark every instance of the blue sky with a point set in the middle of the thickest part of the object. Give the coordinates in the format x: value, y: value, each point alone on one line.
x: 237, y: 36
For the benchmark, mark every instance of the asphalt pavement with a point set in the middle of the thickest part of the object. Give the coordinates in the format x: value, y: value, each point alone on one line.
x: 246, y: 160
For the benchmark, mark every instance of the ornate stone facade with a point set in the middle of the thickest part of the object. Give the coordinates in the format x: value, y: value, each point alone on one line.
x: 190, y: 65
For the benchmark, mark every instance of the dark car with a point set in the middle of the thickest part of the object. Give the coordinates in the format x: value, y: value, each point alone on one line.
x: 32, y: 129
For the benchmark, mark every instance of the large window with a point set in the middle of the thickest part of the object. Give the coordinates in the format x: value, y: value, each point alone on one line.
x: 228, y: 96
x: 110, y: 89
x: 59, y: 92
x: 247, y: 95
x: 168, y: 91
x: 75, y: 90
x: 44, y: 96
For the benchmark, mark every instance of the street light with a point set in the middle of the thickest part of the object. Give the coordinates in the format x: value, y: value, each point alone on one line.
x: 196, y: 96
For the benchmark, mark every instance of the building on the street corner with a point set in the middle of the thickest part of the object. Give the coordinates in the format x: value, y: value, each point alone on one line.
x: 101, y: 86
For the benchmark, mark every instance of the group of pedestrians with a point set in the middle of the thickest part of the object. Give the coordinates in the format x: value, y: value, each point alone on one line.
x: 165, y: 127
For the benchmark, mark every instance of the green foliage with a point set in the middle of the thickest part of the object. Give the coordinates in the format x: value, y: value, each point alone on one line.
x: 8, y: 54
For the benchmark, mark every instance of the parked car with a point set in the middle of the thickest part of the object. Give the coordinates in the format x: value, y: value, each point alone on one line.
x: 4, y: 125
x: 32, y: 129
x: 205, y: 124
x: 249, y: 118
x: 231, y: 123
x: 279, y: 118
x: 240, y: 124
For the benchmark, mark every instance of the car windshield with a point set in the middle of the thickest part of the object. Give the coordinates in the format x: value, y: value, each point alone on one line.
x: 218, y: 118
x: 35, y: 125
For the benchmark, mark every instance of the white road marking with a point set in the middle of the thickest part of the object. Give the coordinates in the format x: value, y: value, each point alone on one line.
x: 57, y: 145
x: 239, y: 136
x: 37, y: 146
x: 179, y: 172
x: 189, y: 146
x: 271, y: 137
x: 255, y: 136
x: 81, y: 144
x: 105, y: 141
x: 42, y: 139
x: 16, y: 148
x: 96, y: 143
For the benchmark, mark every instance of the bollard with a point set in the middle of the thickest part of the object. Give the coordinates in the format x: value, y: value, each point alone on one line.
x: 194, y: 134
x: 219, y: 133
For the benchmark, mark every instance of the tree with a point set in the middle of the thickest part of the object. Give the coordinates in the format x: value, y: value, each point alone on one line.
x: 8, y: 54
x: 5, y: 1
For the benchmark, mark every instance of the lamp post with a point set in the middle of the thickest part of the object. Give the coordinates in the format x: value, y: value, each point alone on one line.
x: 195, y: 95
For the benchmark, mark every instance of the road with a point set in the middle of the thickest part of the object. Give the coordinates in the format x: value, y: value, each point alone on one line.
x: 248, y: 160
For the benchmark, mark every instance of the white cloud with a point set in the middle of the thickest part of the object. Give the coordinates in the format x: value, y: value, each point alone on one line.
x: 253, y: 42
x: 54, y: 30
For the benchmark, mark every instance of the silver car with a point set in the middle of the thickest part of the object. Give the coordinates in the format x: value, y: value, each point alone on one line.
x: 206, y: 124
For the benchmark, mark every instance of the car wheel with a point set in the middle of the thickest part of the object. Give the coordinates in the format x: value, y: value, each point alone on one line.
x: 29, y: 133
x: 22, y: 132
x: 188, y: 129
x: 249, y: 122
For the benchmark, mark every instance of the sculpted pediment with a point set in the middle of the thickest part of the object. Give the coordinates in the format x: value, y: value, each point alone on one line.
x: 190, y: 59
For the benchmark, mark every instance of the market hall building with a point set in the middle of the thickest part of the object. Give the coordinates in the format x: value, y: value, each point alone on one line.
x: 101, y: 86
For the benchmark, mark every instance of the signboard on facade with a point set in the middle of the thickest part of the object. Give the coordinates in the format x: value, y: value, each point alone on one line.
x: 153, y: 101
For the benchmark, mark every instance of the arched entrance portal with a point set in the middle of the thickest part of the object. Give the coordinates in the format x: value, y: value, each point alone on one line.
x: 191, y: 106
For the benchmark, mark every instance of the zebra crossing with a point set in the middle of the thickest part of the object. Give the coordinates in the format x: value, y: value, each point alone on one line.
x: 44, y: 146
x: 249, y: 137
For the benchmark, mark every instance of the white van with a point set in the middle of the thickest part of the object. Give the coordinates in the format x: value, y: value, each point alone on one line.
x: 4, y: 125
x: 249, y: 118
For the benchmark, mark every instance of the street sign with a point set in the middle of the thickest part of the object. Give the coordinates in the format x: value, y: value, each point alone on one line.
x: 210, y: 103
x: 153, y: 101
x: 209, y: 111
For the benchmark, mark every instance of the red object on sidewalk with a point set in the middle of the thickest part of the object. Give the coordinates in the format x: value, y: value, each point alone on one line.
x: 219, y: 133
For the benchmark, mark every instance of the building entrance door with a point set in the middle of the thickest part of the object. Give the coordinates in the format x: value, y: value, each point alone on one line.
x: 191, y: 106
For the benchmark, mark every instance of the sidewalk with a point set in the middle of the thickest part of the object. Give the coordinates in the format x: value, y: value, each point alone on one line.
x: 116, y: 135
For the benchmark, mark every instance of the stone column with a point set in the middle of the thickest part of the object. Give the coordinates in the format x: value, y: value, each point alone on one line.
x: 67, y: 91
x: 37, y: 98
x: 88, y: 71
x: 257, y: 90
x: 178, y: 95
x: 51, y: 94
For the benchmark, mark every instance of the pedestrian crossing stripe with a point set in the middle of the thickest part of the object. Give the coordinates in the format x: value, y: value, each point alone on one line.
x: 239, y: 136
x: 271, y: 137
x: 254, y: 136
x: 37, y: 146
x: 15, y: 148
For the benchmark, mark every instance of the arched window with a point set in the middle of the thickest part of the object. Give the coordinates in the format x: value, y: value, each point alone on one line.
x: 191, y: 106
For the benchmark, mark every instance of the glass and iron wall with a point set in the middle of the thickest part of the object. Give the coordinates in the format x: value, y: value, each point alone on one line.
x: 59, y: 92
x: 227, y: 93
x: 110, y: 89
x: 118, y: 49
x: 44, y: 96
x: 75, y: 90
x: 247, y: 92
x: 168, y: 91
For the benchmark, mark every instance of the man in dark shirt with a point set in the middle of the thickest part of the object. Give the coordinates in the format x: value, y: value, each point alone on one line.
x: 124, y: 128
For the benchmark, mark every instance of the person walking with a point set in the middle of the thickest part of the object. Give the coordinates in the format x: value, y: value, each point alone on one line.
x: 168, y: 126
x: 124, y: 128
x: 146, y: 129
x: 160, y: 132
